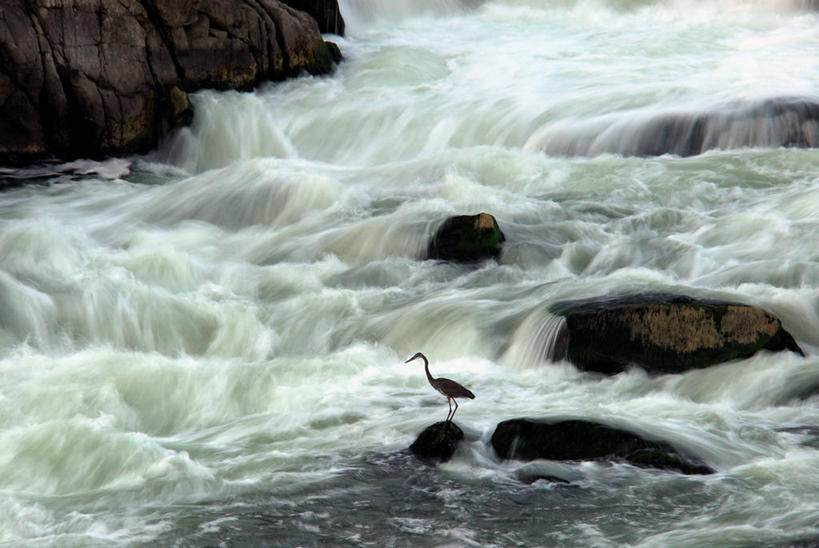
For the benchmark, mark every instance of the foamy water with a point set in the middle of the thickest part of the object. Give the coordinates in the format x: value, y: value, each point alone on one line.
x: 206, y: 344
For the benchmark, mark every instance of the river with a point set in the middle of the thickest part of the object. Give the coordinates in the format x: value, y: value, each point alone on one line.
x: 205, y: 344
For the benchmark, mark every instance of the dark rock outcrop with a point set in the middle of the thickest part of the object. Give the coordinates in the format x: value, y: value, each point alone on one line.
x: 437, y: 442
x: 87, y: 78
x: 467, y: 238
x: 772, y: 123
x: 325, y: 12
x: 577, y: 440
x: 665, y: 333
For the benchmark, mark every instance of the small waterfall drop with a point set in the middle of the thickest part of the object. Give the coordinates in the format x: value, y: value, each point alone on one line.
x: 542, y: 337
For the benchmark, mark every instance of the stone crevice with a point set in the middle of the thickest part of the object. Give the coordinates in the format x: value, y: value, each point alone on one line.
x: 6, y: 62
x: 156, y: 22
x: 278, y: 40
x: 54, y: 127
x: 274, y: 47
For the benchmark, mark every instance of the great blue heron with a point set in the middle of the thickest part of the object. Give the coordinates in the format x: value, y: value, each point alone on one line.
x: 447, y: 387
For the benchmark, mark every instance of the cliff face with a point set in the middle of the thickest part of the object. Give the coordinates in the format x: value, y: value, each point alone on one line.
x: 325, y: 12
x: 94, y: 77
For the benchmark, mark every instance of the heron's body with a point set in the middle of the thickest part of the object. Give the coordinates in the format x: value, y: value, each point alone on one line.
x: 449, y: 388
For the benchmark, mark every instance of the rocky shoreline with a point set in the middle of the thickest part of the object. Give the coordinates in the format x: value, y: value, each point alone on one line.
x: 89, y: 78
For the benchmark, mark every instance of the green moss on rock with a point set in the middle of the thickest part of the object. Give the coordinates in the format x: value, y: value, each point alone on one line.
x: 322, y: 59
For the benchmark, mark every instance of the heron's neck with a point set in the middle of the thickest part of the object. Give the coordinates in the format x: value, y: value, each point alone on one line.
x: 430, y: 378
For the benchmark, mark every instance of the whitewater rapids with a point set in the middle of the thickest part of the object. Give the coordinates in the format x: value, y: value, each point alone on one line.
x: 206, y: 344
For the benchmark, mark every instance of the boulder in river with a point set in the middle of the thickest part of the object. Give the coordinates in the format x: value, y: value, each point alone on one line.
x: 467, y: 238
x: 577, y: 440
x: 88, y: 78
x: 665, y: 333
x: 438, y: 442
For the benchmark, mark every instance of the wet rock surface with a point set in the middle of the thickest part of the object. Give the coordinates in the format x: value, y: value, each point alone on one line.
x: 467, y: 238
x: 665, y: 333
x: 438, y: 442
x: 88, y: 78
x: 576, y: 440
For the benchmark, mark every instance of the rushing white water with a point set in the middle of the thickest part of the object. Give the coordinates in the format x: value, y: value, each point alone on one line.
x: 205, y: 345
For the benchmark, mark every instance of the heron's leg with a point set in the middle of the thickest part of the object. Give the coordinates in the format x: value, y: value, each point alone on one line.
x: 456, y: 408
x: 449, y: 401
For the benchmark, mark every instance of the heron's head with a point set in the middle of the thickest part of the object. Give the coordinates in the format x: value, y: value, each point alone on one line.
x: 416, y: 356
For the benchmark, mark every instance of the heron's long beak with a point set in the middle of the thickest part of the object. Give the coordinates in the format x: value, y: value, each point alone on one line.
x: 415, y: 357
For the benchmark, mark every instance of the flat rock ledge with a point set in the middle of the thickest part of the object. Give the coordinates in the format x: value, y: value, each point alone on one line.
x: 664, y: 333
x: 90, y: 78
x: 579, y: 440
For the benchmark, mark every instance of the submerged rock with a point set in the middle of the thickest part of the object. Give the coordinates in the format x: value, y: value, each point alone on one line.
x: 467, y: 238
x: 778, y: 122
x: 438, y: 442
x: 774, y: 122
x: 546, y: 478
x: 805, y: 542
x: 798, y: 390
x: 87, y: 78
x: 528, y: 439
x: 665, y: 333
x: 808, y: 432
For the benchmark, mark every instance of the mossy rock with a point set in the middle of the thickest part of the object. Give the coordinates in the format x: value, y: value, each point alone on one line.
x: 335, y: 51
x: 324, y: 57
x: 179, y: 110
x: 438, y: 442
x: 467, y: 238
x: 665, y: 333
x: 578, y: 440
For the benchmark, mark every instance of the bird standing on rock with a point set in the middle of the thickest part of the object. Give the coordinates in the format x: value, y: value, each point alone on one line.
x: 447, y: 387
